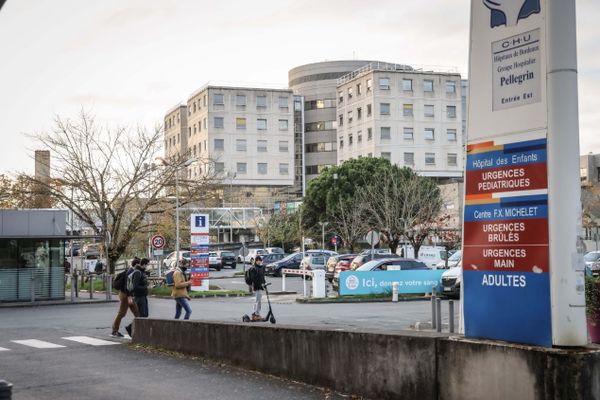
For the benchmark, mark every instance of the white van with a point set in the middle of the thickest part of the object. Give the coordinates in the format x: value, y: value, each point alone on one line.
x: 453, y: 261
x: 430, y: 255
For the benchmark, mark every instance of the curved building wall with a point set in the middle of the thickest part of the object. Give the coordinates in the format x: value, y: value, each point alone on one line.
x: 317, y: 83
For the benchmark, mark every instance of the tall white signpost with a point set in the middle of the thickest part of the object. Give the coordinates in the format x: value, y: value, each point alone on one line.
x: 523, y: 272
x: 199, y: 241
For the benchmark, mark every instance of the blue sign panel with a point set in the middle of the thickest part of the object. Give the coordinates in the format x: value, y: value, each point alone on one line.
x: 380, y: 282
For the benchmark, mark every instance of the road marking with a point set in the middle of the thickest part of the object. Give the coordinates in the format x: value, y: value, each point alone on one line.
x: 3, y: 349
x: 38, y: 344
x: 89, y: 340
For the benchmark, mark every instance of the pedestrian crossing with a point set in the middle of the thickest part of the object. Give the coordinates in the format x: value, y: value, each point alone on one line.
x: 58, y: 343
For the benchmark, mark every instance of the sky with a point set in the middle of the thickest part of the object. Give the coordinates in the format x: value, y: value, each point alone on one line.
x: 129, y: 61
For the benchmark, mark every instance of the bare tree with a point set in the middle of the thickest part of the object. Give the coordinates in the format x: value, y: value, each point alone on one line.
x: 348, y: 222
x: 108, y: 178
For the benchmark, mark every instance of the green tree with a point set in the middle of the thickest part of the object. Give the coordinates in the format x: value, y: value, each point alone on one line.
x: 283, y: 230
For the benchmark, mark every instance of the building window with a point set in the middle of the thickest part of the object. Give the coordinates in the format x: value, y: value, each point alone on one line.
x: 205, y: 119
x: 409, y: 158
x: 240, y: 123
x: 194, y: 107
x: 261, y: 168
x: 218, y: 99
x: 358, y: 89
x: 429, y: 158
x: 386, y: 133
x: 370, y: 155
x: 450, y: 87
x: 341, y: 142
x: 451, y: 135
x: 369, y: 110
x: 190, y: 131
x: 219, y: 167
x: 359, y: 137
x: 319, y: 104
x: 341, y: 120
x: 407, y: 110
x: 261, y: 124
x: 241, y: 168
x: 194, y: 129
x: 407, y: 85
x: 283, y: 146
x: 384, y: 83
x: 429, y: 134
x: 219, y: 144
x: 358, y: 113
x: 297, y: 105
x: 386, y: 156
x: 369, y: 133
x: 283, y: 124
x: 341, y: 96
x: 240, y: 100
x: 428, y: 85
x: 452, y: 157
x: 428, y: 110
x: 261, y: 146
x: 409, y: 134
x: 219, y: 122
x: 261, y: 101
x: 384, y: 108
x: 369, y: 85
x: 240, y: 145
x: 350, y: 91
x: 350, y: 139
x: 284, y: 169
x: 349, y: 117
x: 283, y: 102
x: 451, y: 111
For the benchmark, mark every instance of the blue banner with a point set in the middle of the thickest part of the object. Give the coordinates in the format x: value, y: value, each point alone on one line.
x: 380, y: 282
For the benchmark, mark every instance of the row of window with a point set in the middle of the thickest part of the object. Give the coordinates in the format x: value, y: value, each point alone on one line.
x: 385, y: 109
x: 385, y: 133
x: 218, y: 99
x: 409, y: 158
x: 319, y: 104
x: 316, y: 169
x: 242, y: 145
x: 384, y: 84
x: 320, y: 126
x: 320, y: 147
x: 170, y: 122
x: 261, y: 168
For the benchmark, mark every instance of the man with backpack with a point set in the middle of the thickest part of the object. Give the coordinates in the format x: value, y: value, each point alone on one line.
x: 257, y: 278
x: 180, y: 291
x: 137, y: 286
x: 120, y: 283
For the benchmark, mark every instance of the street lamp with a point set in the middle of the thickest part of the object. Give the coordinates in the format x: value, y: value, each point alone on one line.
x: 186, y: 163
x: 323, y: 225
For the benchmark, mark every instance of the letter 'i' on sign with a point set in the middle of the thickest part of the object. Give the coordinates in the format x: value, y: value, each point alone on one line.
x: 522, y: 266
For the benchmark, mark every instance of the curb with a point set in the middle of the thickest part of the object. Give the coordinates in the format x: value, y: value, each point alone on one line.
x: 43, y: 303
x: 332, y: 301
x: 204, y: 296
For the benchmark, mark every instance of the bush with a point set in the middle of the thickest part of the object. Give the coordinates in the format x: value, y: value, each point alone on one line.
x: 592, y: 297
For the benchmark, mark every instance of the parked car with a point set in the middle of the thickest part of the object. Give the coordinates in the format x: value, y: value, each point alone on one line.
x: 214, y: 260
x: 291, y: 261
x: 453, y: 261
x: 385, y: 264
x: 169, y: 261
x: 272, y: 257
x: 252, y: 253
x: 341, y: 262
x: 277, y: 250
x: 592, y: 261
x: 451, y: 282
x: 91, y: 250
x: 363, y: 258
x: 227, y: 259
x: 312, y: 261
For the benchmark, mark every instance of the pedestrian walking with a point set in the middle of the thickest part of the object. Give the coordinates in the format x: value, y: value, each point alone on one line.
x: 124, y: 303
x: 180, y: 291
x: 137, y: 288
x: 258, y: 281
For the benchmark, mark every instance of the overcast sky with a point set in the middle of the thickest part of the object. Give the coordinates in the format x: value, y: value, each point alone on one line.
x: 129, y: 61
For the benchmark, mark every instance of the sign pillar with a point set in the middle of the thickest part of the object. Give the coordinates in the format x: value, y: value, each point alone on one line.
x: 199, y: 241
x: 522, y: 268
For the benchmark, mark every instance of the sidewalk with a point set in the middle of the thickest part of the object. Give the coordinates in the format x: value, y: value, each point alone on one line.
x: 84, y: 298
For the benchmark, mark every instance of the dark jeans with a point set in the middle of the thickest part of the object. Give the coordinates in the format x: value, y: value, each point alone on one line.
x: 182, y: 302
x: 142, y: 304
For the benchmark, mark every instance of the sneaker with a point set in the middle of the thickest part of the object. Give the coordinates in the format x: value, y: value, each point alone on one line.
x: 256, y: 317
x: 117, y: 334
x: 128, y: 329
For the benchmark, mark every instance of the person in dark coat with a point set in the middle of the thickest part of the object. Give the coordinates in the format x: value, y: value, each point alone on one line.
x: 258, y: 282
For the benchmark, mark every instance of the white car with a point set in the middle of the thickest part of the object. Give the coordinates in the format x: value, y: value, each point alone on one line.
x: 214, y: 261
x: 453, y: 261
x: 316, y: 259
x: 451, y: 281
x: 169, y: 261
x: 252, y: 253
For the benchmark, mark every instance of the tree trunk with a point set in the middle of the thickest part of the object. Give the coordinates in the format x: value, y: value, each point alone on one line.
x: 393, y: 245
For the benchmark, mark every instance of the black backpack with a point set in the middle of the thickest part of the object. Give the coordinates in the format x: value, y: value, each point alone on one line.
x: 118, y: 282
x: 249, y: 275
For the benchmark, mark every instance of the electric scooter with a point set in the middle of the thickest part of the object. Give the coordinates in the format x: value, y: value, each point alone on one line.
x: 269, y: 317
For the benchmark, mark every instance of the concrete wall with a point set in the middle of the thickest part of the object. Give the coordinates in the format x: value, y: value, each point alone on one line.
x: 404, y: 365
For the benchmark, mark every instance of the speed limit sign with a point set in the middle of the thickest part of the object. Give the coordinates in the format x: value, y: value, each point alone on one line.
x: 158, y: 241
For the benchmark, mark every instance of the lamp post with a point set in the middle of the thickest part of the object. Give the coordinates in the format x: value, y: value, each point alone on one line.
x: 186, y: 163
x: 323, y: 225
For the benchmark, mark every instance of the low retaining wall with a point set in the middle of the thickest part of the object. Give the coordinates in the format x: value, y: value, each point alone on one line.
x: 406, y: 365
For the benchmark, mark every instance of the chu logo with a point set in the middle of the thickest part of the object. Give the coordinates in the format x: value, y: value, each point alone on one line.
x: 352, y: 282
x: 510, y: 12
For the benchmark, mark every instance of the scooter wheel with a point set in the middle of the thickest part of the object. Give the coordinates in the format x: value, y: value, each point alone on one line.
x: 245, y: 318
x: 272, y: 320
